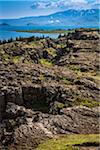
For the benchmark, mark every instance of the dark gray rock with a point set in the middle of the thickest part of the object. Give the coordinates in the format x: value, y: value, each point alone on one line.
x: 2, y: 105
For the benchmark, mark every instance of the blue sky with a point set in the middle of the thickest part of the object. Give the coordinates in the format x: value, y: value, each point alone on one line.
x: 22, y: 8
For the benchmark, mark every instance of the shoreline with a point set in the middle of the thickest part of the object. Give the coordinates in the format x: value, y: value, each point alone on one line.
x: 59, y: 31
x: 55, y: 31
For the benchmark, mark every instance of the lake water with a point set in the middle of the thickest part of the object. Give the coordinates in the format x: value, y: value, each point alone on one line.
x: 6, y: 32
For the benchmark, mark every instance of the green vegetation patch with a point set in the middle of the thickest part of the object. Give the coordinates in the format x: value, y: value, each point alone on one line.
x: 60, y: 106
x: 66, y: 81
x: 51, y: 51
x: 66, y: 142
x: 36, y: 44
x: 46, y: 62
x: 59, y: 31
x: 87, y: 102
x: 14, y: 59
x: 42, y: 77
x: 6, y: 57
x: 75, y: 68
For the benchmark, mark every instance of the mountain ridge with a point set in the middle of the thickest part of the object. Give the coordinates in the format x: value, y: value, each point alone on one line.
x: 71, y: 17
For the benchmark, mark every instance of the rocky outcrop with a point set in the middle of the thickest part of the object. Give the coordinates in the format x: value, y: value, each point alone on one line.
x: 26, y: 128
x: 41, y: 94
x: 84, y: 34
x: 48, y: 87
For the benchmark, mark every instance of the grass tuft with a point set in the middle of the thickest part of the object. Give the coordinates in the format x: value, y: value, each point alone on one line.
x: 87, y: 102
x: 66, y: 142
x: 45, y: 62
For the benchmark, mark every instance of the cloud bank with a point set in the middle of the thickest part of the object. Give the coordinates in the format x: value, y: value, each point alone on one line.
x: 65, y: 4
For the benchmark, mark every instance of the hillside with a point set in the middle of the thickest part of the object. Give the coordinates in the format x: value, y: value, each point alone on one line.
x: 49, y: 87
x: 70, y: 19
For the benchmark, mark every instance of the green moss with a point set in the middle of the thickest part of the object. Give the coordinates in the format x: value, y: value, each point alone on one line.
x: 42, y: 77
x: 6, y: 57
x: 51, y: 51
x: 45, y: 62
x: 67, y: 80
x: 33, y: 44
x: 61, y: 46
x: 74, y: 68
x: 87, y: 102
x: 66, y: 142
x: 16, y: 59
x: 13, y: 48
x: 28, y: 62
x: 60, y: 105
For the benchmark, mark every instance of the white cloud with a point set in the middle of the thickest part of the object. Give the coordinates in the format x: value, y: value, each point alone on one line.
x: 65, y: 4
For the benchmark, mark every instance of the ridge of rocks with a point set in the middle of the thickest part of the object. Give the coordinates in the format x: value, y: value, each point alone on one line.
x: 48, y: 87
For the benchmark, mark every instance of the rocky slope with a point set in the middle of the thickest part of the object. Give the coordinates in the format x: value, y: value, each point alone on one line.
x: 48, y: 87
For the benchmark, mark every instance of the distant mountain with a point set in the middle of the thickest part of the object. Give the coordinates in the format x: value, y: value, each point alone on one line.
x: 69, y: 18
x: 4, y: 24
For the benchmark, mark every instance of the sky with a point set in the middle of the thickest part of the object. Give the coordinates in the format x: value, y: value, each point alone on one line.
x: 22, y: 8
